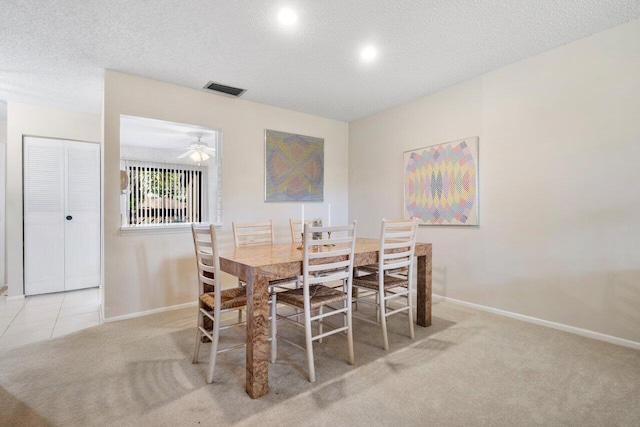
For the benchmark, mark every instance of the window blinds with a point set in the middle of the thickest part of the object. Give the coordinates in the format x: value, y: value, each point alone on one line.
x: 163, y: 193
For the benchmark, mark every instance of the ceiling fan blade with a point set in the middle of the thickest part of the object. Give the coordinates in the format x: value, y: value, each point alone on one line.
x: 186, y: 153
x: 203, y: 147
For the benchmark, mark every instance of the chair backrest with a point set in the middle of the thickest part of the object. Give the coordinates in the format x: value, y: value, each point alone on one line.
x: 296, y: 229
x: 207, y: 259
x: 397, y: 244
x: 257, y: 233
x: 328, y: 260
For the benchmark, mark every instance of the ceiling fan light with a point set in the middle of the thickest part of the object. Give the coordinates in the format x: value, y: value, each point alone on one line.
x: 199, y: 156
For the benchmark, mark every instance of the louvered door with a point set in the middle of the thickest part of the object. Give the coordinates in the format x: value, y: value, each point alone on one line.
x: 61, y: 215
x: 43, y: 216
x: 82, y: 215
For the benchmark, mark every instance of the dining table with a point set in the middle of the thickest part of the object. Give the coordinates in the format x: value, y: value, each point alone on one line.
x: 258, y: 265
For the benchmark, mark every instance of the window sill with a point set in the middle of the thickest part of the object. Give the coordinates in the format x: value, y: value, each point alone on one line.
x: 158, y: 229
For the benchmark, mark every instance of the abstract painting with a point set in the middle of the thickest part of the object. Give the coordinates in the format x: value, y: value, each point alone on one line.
x: 294, y: 167
x: 441, y: 183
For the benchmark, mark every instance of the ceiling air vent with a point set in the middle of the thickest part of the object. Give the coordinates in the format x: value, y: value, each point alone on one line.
x: 217, y: 87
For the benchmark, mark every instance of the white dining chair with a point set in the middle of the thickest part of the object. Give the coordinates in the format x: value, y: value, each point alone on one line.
x: 392, y: 279
x: 261, y: 233
x: 256, y: 233
x: 297, y: 229
x: 324, y: 261
x: 212, y: 299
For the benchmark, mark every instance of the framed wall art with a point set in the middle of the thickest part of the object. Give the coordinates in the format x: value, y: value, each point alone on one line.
x: 294, y: 167
x: 441, y: 183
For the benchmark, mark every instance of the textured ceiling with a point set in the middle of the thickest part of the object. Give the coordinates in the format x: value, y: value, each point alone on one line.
x: 54, y: 53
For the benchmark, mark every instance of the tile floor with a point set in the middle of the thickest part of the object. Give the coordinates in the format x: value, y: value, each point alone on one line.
x: 43, y: 317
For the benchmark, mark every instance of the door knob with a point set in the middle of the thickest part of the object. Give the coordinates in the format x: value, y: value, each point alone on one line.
x: 69, y: 217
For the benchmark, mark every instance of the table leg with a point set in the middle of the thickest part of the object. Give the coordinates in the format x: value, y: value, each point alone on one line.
x: 257, y: 366
x: 423, y: 289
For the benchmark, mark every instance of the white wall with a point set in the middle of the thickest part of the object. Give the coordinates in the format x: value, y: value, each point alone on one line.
x: 148, y: 272
x: 29, y: 120
x: 3, y: 171
x: 559, y: 234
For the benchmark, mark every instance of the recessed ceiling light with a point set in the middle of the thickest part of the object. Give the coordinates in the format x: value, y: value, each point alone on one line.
x: 368, y: 53
x: 287, y: 16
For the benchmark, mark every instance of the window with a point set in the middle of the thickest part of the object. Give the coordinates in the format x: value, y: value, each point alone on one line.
x: 165, y: 193
x: 171, y: 175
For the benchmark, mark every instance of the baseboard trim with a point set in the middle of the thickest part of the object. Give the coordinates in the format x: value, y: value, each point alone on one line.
x: 15, y: 297
x: 534, y: 320
x: 148, y: 312
x: 559, y: 326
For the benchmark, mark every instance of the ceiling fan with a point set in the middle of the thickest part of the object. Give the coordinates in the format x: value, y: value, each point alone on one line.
x: 198, y: 151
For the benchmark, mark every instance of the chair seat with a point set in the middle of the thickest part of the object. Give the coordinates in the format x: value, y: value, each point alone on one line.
x: 273, y: 283
x: 371, y: 281
x: 373, y: 268
x: 281, y: 281
x: 319, y: 295
x: 230, y: 298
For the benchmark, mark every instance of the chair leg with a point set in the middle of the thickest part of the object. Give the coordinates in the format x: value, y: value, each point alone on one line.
x: 344, y: 289
x: 320, y: 328
x: 383, y: 318
x: 196, y: 351
x: 410, y: 302
x: 309, y: 344
x: 378, y: 307
x: 349, y: 320
x: 298, y: 311
x: 240, y: 315
x: 274, y: 328
x: 214, y: 347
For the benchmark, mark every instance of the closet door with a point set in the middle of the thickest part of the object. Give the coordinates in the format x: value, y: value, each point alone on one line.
x: 82, y: 215
x: 44, y: 234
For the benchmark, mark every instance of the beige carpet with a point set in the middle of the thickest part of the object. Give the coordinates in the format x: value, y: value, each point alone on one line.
x: 468, y: 368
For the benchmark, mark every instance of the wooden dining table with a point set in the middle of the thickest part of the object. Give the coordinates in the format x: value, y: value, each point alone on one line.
x: 259, y: 265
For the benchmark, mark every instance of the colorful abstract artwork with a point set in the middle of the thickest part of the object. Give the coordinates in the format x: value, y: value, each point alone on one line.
x: 294, y: 167
x: 441, y: 183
